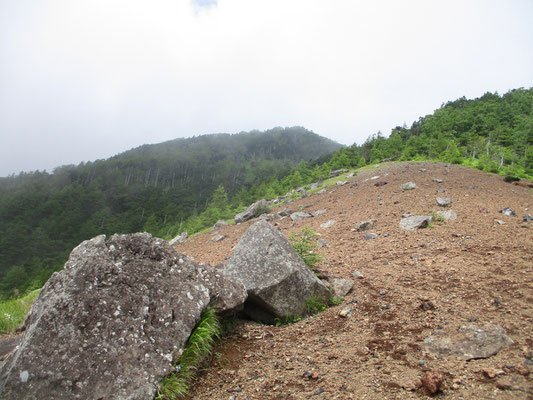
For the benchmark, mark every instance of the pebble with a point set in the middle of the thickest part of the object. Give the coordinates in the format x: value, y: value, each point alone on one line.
x: 422, y: 363
x: 346, y: 312
x: 383, y: 292
x: 319, y: 391
x: 357, y: 274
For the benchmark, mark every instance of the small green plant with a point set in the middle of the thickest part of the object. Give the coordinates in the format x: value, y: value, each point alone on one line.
x: 199, y: 347
x: 13, y: 312
x: 314, y: 305
x: 305, y: 245
x: 288, y: 319
x: 335, y: 301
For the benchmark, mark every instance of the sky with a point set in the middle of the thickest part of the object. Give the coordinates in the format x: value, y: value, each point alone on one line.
x: 84, y: 80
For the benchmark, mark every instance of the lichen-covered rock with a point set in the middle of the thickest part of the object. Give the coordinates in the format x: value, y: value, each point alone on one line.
x: 365, y: 225
x: 110, y: 324
x: 448, y: 215
x: 409, y: 186
x: 254, y: 210
x: 276, y: 278
x: 444, y: 201
x: 299, y: 215
x: 341, y: 287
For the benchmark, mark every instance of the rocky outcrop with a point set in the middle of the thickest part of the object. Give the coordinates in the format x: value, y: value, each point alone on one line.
x: 277, y: 280
x: 112, y: 322
x: 256, y: 209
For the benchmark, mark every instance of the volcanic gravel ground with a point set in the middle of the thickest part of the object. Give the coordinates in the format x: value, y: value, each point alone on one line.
x: 473, y: 270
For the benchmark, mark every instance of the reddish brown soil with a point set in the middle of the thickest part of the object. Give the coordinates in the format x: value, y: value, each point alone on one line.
x: 462, y: 267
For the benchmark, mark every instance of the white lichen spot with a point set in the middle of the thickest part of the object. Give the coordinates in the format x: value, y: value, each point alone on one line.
x: 189, y: 295
x: 24, y: 376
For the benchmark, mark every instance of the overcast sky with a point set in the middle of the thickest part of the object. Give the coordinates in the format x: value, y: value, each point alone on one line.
x: 83, y: 80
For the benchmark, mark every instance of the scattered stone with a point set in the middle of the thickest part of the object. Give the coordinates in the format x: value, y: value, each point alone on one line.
x: 448, y: 215
x: 528, y: 218
x: 350, y: 175
x: 302, y: 191
x: 365, y: 225
x: 357, y: 274
x: 492, y: 373
x: 409, y: 186
x: 179, y: 239
x: 473, y: 343
x: 254, y: 210
x: 328, y: 224
x: 427, y: 305
x: 219, y: 224
x: 504, y: 384
x: 383, y: 292
x: 387, y: 160
x: 375, y: 177
x: 432, y: 381
x: 323, y: 190
x: 409, y: 384
x: 319, y: 391
x: 284, y: 213
x: 304, y: 206
x: 112, y: 322
x: 268, y: 217
x: 346, y: 312
x: 422, y: 363
x: 522, y: 369
x: 422, y: 170
x: 318, y: 213
x: 381, y: 183
x: 276, y: 279
x: 337, y: 172
x: 341, y: 183
x: 415, y: 222
x: 444, y: 201
x: 437, y: 180
x: 322, y: 243
x: 509, y: 212
x: 299, y: 215
x: 441, y: 191
x: 341, y: 287
x: 314, y: 185
x: 370, y: 236
x: 218, y: 238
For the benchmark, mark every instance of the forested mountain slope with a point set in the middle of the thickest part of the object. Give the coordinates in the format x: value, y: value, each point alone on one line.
x: 151, y: 188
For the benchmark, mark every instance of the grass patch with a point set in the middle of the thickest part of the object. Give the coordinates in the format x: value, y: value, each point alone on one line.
x: 13, y: 312
x: 199, y: 347
x: 314, y: 305
x: 305, y: 245
x: 335, y: 301
x: 289, y: 319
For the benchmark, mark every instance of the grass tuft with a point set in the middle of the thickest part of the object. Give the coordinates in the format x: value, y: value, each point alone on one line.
x: 314, y: 305
x: 13, y: 312
x: 199, y: 347
x: 305, y: 245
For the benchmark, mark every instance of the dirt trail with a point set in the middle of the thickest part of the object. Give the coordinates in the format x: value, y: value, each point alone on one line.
x: 474, y: 270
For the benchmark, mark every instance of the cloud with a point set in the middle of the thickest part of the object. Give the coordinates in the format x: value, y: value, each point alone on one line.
x: 85, y: 80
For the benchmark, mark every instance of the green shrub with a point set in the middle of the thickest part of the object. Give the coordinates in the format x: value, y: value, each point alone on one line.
x: 305, y: 245
x: 199, y: 347
x: 289, y: 319
x: 335, y: 301
x: 13, y: 312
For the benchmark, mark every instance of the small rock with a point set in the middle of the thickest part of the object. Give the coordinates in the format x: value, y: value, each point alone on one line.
x: 427, y: 305
x: 448, y: 215
x: 219, y: 224
x: 499, y: 221
x: 365, y: 225
x: 522, y: 369
x: 382, y: 183
x: 375, y: 177
x: 415, y: 222
x: 437, y: 180
x: 346, y: 312
x: 319, y: 391
x: 409, y: 186
x: 433, y: 381
x: 298, y: 216
x: 341, y: 287
x: 341, y: 183
x: 422, y: 170
x: 509, y: 212
x: 323, y: 190
x: 350, y: 175
x: 307, y: 375
x: 370, y: 236
x: 317, y: 213
x: 322, y: 243
x: 441, y: 191
x: 328, y: 224
x: 504, y: 384
x: 383, y: 292
x: 357, y: 274
x: 421, y: 363
x: 492, y: 373
x: 528, y: 218
x: 179, y: 239
x: 444, y: 201
x: 218, y: 238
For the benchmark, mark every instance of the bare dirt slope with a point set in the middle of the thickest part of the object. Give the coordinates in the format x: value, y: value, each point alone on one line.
x: 473, y: 270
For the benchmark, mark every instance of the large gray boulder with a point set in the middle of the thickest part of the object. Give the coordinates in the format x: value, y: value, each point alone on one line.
x: 256, y: 209
x: 112, y: 322
x: 277, y: 280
